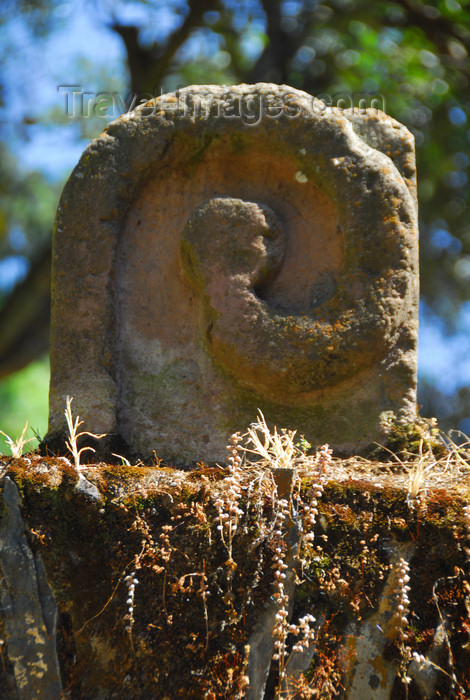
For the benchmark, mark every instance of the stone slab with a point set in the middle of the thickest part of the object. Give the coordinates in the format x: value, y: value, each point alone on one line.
x: 226, y: 249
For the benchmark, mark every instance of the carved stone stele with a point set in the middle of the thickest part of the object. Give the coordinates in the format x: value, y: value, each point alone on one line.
x: 225, y: 249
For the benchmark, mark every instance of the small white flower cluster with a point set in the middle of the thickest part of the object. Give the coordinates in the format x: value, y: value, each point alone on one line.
x: 131, y: 582
x: 403, y: 603
x: 304, y: 629
x: 309, y: 508
x: 281, y: 628
x: 323, y: 458
x: 228, y: 509
x: 234, y: 456
x: 165, y: 546
x: 282, y: 514
x: 421, y: 660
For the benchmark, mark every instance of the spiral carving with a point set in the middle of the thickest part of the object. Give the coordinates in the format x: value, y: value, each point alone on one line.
x: 182, y: 302
x: 231, y: 249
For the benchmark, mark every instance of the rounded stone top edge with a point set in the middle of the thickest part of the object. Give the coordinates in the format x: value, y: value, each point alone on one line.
x: 95, y: 159
x: 384, y: 121
x: 219, y: 91
x: 108, y: 141
x: 123, y: 147
x: 174, y: 109
x: 315, y: 106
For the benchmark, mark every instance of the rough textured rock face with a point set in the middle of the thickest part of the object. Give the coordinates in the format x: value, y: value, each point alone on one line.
x: 150, y: 597
x: 228, y: 249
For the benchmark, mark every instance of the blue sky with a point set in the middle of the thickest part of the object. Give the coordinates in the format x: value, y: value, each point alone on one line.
x: 32, y: 90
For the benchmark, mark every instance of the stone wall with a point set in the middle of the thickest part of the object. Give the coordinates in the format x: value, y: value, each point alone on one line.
x: 152, y: 602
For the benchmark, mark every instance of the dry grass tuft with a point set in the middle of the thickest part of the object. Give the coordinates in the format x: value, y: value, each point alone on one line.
x: 16, y: 446
x: 266, y: 448
x: 414, y: 472
x: 74, y: 435
x: 271, y: 449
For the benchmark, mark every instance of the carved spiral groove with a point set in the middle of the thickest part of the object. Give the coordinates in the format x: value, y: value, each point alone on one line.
x: 229, y: 249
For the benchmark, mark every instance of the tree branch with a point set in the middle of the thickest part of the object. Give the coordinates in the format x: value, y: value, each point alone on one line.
x: 438, y: 29
x: 273, y: 65
x: 149, y: 66
x: 24, y: 319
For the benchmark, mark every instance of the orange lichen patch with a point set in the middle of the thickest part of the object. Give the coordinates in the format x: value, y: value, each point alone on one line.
x: 377, y: 666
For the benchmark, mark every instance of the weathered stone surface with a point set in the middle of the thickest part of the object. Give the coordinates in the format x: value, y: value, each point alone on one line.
x: 225, y: 249
x: 28, y: 608
x: 161, y: 526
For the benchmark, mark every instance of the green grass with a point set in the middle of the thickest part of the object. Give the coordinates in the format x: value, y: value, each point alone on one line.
x: 24, y: 397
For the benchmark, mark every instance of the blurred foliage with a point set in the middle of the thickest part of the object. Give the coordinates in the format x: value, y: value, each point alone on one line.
x: 27, y: 205
x: 24, y: 396
x: 453, y: 409
x: 412, y: 53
